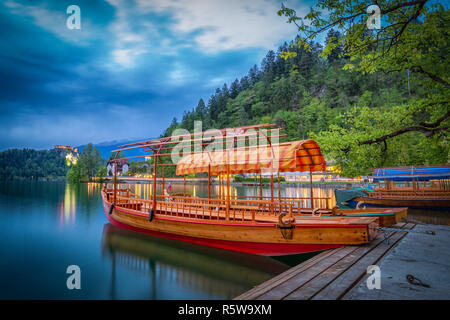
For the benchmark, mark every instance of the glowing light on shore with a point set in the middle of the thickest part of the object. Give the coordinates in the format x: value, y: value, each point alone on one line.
x: 71, y: 159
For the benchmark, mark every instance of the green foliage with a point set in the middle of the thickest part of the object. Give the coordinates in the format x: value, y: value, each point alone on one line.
x: 101, y: 172
x: 362, y: 124
x: 89, y: 162
x: 119, y: 156
x: 32, y: 164
x: 75, y: 174
x: 140, y: 167
x: 386, y: 127
x: 290, y: 120
x: 371, y: 98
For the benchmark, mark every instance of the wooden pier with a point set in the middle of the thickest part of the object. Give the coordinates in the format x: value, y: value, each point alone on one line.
x: 330, y: 275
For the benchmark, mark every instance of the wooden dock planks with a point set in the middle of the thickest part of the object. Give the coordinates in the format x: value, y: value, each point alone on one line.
x: 328, y: 276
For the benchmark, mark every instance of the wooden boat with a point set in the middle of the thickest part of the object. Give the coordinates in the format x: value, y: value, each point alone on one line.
x: 262, y: 235
x: 421, y: 187
x: 252, y: 225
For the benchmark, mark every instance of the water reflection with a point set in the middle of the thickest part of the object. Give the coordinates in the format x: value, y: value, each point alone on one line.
x: 88, y: 196
x: 218, y: 273
x: 50, y: 225
x: 68, y: 207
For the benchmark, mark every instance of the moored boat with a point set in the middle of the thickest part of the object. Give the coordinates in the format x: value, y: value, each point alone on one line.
x: 417, y: 187
x: 263, y: 236
x: 386, y: 216
x: 274, y: 226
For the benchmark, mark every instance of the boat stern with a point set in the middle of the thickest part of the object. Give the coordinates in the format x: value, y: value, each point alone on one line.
x: 400, y: 214
x: 372, y: 229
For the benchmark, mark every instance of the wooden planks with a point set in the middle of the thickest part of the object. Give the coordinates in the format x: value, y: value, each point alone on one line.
x: 347, y: 280
x: 272, y: 283
x: 285, y: 288
x: 329, y: 275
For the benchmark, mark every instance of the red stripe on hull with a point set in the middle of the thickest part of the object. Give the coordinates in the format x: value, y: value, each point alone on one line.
x: 263, y: 249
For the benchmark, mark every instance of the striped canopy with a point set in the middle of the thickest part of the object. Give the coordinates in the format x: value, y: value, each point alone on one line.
x: 301, y: 155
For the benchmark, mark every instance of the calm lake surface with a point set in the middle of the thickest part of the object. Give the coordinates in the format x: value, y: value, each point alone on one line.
x: 47, y: 226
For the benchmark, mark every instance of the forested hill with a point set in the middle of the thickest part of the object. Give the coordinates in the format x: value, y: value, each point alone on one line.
x: 306, y: 95
x: 32, y: 164
x: 303, y: 94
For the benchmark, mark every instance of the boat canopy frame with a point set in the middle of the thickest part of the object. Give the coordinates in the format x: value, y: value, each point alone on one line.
x: 301, y: 155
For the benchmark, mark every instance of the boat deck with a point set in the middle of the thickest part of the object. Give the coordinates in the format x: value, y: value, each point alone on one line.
x: 330, y: 275
x: 410, y: 193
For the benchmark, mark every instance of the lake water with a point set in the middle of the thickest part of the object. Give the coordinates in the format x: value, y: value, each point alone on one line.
x: 47, y: 226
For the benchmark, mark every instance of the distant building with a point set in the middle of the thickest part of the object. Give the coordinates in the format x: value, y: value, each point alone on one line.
x: 296, y: 176
x: 122, y: 167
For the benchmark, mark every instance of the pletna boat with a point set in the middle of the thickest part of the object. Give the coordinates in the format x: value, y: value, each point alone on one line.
x: 257, y: 225
x: 414, y: 187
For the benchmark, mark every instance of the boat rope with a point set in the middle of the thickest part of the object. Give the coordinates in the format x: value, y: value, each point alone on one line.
x: 412, y: 221
x: 416, y: 281
x: 429, y: 232
x: 388, y: 231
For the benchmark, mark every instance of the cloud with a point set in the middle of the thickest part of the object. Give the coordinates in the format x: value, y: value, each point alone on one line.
x: 225, y: 25
x: 167, y: 27
x: 53, y: 21
x: 135, y: 65
x: 127, y: 57
x: 128, y: 44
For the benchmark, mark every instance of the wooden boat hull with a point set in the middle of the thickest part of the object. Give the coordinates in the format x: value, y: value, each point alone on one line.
x: 262, y: 238
x: 410, y: 203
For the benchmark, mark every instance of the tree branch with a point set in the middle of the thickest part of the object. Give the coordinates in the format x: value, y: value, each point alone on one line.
x: 413, y: 17
x: 430, y: 75
x: 428, y: 129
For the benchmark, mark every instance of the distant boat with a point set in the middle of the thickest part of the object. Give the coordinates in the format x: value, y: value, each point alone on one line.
x: 422, y: 187
x: 260, y: 225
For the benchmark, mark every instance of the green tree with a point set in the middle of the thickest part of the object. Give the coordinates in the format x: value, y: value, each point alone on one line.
x: 101, y: 172
x: 89, y: 160
x: 414, y: 38
x: 290, y: 121
x: 32, y: 164
x: 336, y: 54
x: 75, y: 173
x: 87, y: 165
x: 119, y: 156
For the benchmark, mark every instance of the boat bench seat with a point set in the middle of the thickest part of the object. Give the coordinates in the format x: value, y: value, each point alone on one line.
x: 244, y: 208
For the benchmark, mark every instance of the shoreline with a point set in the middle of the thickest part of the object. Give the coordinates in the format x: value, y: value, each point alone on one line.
x: 249, y: 184
x: 178, y: 181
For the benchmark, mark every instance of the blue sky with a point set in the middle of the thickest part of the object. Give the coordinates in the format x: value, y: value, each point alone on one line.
x: 129, y: 70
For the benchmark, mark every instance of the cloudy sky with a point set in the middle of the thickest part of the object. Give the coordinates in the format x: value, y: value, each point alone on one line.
x: 132, y: 67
